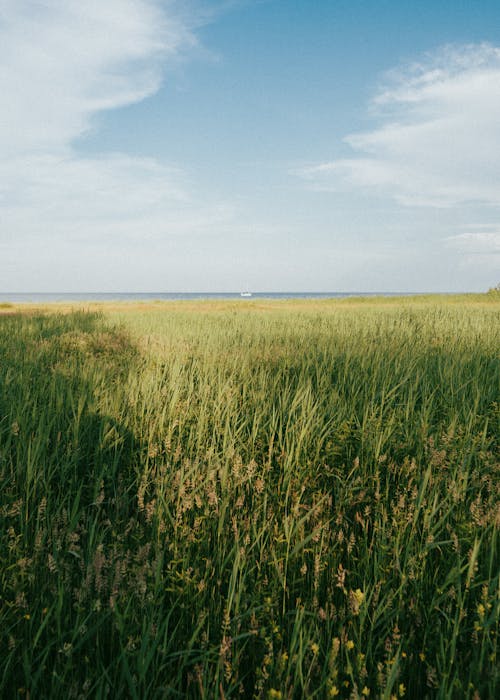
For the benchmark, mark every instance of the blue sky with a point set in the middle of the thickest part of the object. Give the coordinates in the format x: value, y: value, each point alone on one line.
x: 212, y: 146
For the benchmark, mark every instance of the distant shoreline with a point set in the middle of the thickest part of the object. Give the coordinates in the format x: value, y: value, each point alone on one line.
x: 49, y: 297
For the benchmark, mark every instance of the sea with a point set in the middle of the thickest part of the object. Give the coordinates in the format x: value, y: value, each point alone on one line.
x: 46, y: 297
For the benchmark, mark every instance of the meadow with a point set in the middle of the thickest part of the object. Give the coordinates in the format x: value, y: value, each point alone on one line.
x: 250, y: 499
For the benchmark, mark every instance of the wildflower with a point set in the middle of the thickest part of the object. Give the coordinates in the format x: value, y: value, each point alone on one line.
x: 27, y: 616
x: 334, y: 691
x: 481, y: 611
x: 273, y: 693
x: 359, y: 595
x: 350, y: 644
x: 356, y: 599
x: 403, y: 654
x: 314, y: 648
x: 402, y: 689
x: 365, y: 691
x: 421, y: 656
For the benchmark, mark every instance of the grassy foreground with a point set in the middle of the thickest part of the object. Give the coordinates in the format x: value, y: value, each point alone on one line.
x: 269, y: 500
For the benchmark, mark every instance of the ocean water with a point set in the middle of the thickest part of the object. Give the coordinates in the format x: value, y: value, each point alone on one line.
x: 44, y: 297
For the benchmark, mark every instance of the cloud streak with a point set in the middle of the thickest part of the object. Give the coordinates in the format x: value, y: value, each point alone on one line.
x: 62, y: 63
x: 477, y: 243
x: 437, y: 139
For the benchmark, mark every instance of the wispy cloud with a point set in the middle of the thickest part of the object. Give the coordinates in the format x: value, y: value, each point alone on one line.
x: 62, y: 63
x: 437, y: 139
x: 477, y: 249
x: 477, y: 242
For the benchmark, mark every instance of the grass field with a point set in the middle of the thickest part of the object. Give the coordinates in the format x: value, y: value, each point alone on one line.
x: 250, y: 499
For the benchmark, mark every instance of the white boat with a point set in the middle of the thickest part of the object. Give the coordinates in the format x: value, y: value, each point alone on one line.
x: 245, y: 294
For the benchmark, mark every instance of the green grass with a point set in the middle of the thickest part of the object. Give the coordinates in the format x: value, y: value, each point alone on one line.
x: 253, y: 499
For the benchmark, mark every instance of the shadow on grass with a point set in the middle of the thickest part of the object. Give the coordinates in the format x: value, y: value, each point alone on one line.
x: 67, y: 477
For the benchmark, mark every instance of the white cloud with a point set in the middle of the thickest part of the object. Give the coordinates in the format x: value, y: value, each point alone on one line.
x: 62, y: 62
x: 437, y: 142
x: 478, y: 250
x: 477, y: 242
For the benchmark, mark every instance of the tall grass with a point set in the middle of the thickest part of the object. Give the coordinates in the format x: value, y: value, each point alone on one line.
x: 251, y: 500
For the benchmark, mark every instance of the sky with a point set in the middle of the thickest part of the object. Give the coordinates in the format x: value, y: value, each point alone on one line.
x: 264, y: 145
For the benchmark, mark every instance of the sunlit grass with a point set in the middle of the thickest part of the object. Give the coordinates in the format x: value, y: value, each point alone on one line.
x: 251, y: 499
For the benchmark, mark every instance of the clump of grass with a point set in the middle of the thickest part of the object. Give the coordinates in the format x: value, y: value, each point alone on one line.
x: 275, y: 500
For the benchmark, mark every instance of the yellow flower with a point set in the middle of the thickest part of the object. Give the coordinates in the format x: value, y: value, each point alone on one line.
x: 359, y: 595
x: 403, y: 654
x: 481, y: 611
x: 27, y: 616
x: 365, y: 691
x: 421, y: 656
x: 350, y: 644
x: 334, y: 691
x: 356, y: 599
x: 314, y: 648
x: 402, y: 689
x: 273, y: 693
